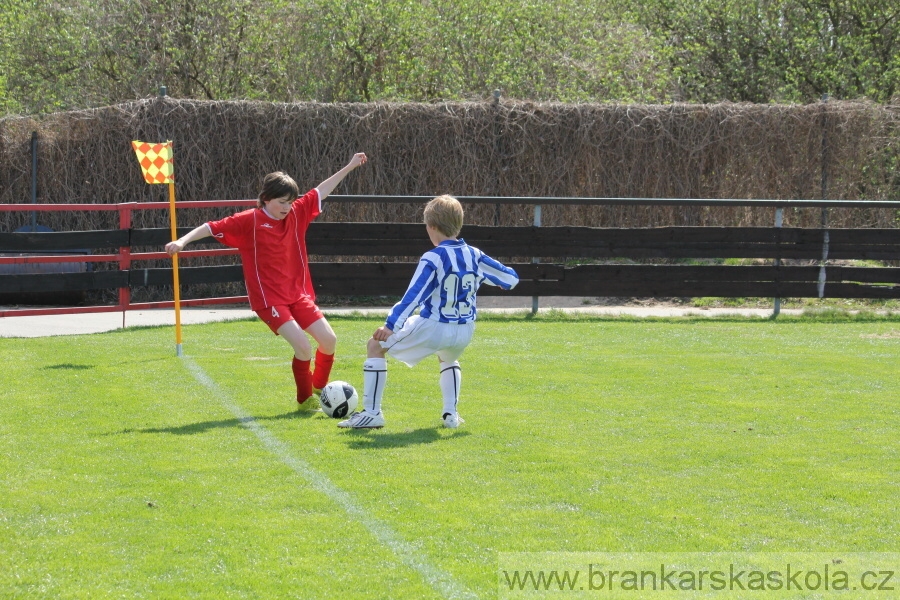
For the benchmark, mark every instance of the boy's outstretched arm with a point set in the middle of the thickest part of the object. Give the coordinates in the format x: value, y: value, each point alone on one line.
x: 179, y: 244
x: 496, y: 273
x: 326, y: 187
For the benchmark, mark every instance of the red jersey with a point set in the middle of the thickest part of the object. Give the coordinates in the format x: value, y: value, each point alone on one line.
x: 273, y: 251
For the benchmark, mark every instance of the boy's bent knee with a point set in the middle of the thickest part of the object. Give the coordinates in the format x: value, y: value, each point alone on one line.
x: 324, y: 335
x: 374, y: 349
x: 328, y: 343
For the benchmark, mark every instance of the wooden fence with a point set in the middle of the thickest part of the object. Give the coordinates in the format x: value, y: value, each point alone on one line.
x: 551, y: 261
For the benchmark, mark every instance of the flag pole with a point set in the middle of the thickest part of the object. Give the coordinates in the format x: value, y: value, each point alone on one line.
x: 175, y: 283
x: 158, y: 166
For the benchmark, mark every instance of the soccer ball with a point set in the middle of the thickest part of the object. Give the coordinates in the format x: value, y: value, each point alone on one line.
x: 338, y: 399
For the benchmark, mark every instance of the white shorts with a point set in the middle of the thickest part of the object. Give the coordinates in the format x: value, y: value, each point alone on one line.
x: 420, y: 338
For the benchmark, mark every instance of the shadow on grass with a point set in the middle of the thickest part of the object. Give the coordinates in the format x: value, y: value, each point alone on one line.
x: 366, y: 439
x: 205, y: 426
x: 81, y: 367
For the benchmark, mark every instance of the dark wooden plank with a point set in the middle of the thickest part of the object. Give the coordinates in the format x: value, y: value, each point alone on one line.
x: 326, y: 231
x: 63, y: 282
x: 228, y: 273
x: 539, y: 271
x: 186, y: 275
x: 630, y: 281
x: 865, y: 236
x: 686, y: 273
x: 864, y: 253
x: 63, y: 241
x: 626, y: 236
x: 393, y: 278
x: 563, y: 249
x: 327, y: 239
x: 536, y: 279
x: 661, y: 251
x: 675, y: 235
x: 404, y: 270
x: 587, y: 280
x: 354, y: 247
x: 661, y: 281
x: 361, y: 279
x: 590, y: 280
x: 665, y: 242
x: 324, y: 274
x: 410, y: 239
x: 577, y: 235
x: 359, y: 287
x: 863, y: 274
x: 162, y: 236
x: 400, y: 239
x: 852, y: 290
x: 71, y: 298
x: 481, y: 233
x: 649, y: 289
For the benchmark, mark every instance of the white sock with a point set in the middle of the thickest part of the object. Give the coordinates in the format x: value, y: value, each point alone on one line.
x: 374, y: 378
x: 451, y: 380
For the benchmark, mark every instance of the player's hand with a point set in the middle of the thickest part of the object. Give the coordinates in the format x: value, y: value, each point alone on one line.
x: 382, y: 334
x: 174, y: 247
x: 359, y: 158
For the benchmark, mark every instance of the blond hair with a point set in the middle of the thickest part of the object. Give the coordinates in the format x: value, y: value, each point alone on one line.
x: 445, y: 214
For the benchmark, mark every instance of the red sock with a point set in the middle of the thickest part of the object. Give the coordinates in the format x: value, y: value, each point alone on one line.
x: 303, y: 379
x: 323, y: 369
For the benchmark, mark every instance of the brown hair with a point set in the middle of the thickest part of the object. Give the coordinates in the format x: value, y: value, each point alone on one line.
x: 278, y: 185
x: 445, y: 214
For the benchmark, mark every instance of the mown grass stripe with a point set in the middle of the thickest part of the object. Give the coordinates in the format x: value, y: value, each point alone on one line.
x: 439, y: 580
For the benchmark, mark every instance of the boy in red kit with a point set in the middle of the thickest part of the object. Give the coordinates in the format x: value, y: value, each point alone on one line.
x: 272, y: 241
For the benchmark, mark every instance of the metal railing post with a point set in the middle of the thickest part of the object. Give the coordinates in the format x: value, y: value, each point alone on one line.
x: 535, y: 260
x: 825, y: 235
x: 497, y: 154
x: 779, y: 220
x: 34, y: 167
x: 825, y: 242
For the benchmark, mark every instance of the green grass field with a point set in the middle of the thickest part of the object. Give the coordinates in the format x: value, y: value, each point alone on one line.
x: 130, y: 473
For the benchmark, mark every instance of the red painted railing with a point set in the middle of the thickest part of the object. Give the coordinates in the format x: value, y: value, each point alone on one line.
x: 124, y: 257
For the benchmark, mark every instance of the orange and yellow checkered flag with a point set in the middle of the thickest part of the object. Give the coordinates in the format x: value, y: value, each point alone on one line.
x: 156, y: 161
x: 158, y: 166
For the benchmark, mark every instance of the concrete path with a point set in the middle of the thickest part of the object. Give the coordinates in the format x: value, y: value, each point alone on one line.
x: 49, y: 325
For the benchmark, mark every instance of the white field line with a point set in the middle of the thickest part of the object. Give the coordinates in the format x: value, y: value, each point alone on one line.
x: 440, y: 581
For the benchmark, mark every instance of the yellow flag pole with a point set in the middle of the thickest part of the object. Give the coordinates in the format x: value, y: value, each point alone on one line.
x: 177, y: 287
x: 158, y: 166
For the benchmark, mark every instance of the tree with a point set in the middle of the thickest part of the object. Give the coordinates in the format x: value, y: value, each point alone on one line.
x: 84, y: 53
x: 778, y: 50
x: 99, y: 52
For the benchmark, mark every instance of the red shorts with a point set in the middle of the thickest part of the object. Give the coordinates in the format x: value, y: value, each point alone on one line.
x: 304, y: 311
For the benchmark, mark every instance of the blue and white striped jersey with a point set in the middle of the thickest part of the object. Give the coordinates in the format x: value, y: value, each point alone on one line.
x: 445, y: 283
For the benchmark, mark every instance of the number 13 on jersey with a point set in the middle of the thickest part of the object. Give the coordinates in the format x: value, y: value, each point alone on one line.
x: 458, y: 295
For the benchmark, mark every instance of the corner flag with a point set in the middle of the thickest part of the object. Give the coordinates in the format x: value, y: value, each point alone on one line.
x: 158, y: 165
x: 156, y: 161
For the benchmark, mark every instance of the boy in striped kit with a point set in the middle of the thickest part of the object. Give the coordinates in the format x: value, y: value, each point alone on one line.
x: 444, y: 286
